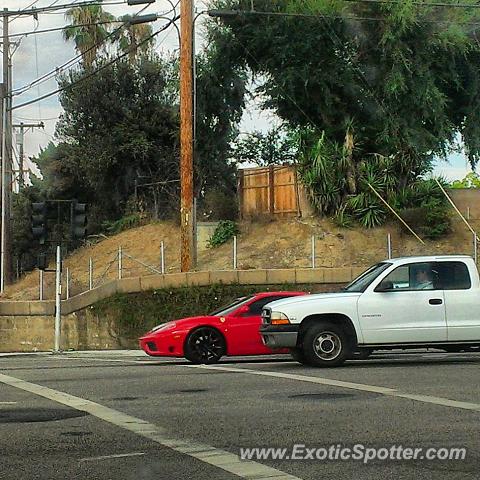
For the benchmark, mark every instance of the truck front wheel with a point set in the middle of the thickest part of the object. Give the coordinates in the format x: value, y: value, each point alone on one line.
x: 326, y: 345
x: 298, y: 355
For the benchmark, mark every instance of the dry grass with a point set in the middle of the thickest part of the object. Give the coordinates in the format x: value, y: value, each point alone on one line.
x: 269, y: 244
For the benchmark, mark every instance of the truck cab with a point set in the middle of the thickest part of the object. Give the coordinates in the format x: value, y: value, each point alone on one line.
x: 411, y: 302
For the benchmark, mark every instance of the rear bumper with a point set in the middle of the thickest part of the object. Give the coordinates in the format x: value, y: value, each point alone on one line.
x: 279, y: 336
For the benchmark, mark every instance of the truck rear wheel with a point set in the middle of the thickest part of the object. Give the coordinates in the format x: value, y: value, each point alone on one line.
x: 326, y: 345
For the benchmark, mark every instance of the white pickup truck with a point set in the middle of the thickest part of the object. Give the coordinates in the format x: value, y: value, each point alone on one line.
x: 413, y: 302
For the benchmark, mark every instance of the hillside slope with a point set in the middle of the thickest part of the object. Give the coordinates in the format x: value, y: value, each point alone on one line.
x: 277, y: 244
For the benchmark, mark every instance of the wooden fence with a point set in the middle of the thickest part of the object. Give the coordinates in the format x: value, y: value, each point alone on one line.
x: 272, y: 190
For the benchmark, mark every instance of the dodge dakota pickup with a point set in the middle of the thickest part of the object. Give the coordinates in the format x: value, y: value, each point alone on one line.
x: 413, y: 302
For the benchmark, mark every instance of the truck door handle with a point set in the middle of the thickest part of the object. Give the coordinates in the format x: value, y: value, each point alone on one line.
x: 435, y: 301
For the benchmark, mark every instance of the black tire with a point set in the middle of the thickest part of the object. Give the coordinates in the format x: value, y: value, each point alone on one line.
x: 453, y: 349
x: 361, y: 354
x: 205, y: 345
x: 298, y: 355
x: 326, y: 344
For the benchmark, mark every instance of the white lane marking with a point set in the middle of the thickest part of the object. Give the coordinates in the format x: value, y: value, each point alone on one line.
x: 446, y: 402
x: 132, y: 361
x: 8, y: 403
x: 108, y: 457
x: 213, y: 456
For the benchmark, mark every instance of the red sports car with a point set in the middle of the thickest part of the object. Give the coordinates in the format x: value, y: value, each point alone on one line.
x: 231, y: 330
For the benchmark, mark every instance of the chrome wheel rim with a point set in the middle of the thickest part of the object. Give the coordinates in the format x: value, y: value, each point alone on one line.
x: 327, y: 346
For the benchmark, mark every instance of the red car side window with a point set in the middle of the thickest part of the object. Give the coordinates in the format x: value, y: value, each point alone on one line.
x: 256, y: 308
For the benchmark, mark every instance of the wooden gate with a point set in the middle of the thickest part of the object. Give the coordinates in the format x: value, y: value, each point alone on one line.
x: 272, y: 190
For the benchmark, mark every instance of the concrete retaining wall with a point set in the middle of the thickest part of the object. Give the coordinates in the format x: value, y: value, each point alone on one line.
x: 29, y: 326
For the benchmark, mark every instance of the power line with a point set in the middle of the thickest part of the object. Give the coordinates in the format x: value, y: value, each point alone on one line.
x: 99, y: 69
x: 41, y: 119
x: 73, y: 61
x: 53, y: 7
x: 27, y: 7
x: 56, y: 29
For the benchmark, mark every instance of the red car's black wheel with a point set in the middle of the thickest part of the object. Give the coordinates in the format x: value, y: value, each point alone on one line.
x: 205, y: 345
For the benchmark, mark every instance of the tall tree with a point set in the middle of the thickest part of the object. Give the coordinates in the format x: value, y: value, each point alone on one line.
x: 134, y: 39
x: 88, y: 29
x: 376, y: 85
x: 400, y: 78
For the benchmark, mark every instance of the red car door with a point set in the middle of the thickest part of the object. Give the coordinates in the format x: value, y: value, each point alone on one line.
x: 242, y: 328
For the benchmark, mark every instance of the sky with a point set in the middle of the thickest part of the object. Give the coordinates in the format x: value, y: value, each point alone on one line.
x: 39, y: 54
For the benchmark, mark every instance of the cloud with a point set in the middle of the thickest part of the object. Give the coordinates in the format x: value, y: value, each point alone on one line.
x: 39, y: 54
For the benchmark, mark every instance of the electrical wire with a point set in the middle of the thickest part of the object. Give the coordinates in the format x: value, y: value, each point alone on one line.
x: 99, y: 69
x: 56, y: 29
x: 72, y: 62
x: 42, y: 10
x: 29, y: 119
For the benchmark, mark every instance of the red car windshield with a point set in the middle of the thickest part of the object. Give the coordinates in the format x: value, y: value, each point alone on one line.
x: 228, y: 309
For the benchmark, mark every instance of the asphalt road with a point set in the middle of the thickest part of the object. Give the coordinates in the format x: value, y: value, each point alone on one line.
x: 122, y: 415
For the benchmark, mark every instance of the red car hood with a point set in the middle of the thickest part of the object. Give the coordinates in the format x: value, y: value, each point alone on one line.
x: 187, y: 323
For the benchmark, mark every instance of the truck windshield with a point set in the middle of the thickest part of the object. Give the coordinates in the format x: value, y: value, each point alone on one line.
x: 361, y: 283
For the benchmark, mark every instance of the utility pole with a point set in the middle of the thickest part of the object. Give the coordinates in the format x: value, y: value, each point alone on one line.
x: 6, y: 238
x: 186, y: 134
x: 21, y: 143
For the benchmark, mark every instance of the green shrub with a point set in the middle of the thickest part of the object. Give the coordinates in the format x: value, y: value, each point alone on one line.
x: 343, y: 219
x: 226, y: 229
x: 124, y: 223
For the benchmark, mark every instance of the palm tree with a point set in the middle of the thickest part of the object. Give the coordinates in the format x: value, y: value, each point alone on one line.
x: 88, y: 29
x: 134, y: 39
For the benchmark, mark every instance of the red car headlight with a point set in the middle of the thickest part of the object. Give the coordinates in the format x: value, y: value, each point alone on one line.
x: 163, y: 326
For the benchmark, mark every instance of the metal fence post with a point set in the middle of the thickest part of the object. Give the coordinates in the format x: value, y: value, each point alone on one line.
x: 67, y: 286
x: 90, y: 273
x: 58, y: 301
x: 235, y: 252
x: 120, y: 263
x: 162, y: 257
x: 475, y: 248
x: 313, y: 251
x: 389, y: 246
x: 40, y: 285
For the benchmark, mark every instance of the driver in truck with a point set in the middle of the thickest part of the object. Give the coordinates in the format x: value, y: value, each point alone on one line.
x: 423, y: 279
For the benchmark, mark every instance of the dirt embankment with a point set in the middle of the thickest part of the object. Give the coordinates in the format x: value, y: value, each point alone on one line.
x: 283, y: 243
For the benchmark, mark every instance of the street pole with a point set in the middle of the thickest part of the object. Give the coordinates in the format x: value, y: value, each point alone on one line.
x: 186, y: 134
x: 5, y: 241
x: 21, y: 143
x: 4, y: 195
x: 58, y: 301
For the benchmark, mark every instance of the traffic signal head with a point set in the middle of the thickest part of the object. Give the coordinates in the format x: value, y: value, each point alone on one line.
x: 39, y: 221
x: 42, y: 262
x: 79, y: 221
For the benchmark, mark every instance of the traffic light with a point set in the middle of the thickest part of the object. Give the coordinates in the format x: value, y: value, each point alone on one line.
x: 39, y: 221
x: 42, y: 262
x: 79, y: 221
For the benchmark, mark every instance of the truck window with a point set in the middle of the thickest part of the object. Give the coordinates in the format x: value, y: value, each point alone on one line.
x: 454, y: 276
x: 414, y: 276
x: 361, y: 283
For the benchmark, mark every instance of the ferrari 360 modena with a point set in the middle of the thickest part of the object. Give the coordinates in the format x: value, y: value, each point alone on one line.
x: 232, y: 330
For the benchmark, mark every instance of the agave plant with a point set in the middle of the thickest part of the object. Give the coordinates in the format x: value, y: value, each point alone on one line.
x: 322, y: 173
